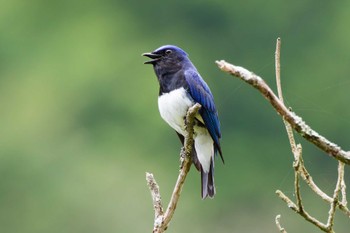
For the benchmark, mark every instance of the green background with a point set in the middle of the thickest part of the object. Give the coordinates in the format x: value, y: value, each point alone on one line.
x: 80, y: 124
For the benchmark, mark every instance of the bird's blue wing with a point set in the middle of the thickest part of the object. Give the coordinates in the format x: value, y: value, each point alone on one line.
x: 201, y: 94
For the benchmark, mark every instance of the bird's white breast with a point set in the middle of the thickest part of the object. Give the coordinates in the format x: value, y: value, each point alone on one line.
x: 173, y: 107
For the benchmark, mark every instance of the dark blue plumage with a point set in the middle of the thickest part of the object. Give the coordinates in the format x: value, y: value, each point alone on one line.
x: 200, y: 93
x: 181, y: 86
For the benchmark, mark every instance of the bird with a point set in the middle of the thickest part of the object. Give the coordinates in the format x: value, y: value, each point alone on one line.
x: 180, y: 87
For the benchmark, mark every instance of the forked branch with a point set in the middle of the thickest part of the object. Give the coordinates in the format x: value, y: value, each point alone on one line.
x: 294, y: 120
x: 161, y: 219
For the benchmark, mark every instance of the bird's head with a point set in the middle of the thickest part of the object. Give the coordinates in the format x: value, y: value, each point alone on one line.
x: 167, y: 55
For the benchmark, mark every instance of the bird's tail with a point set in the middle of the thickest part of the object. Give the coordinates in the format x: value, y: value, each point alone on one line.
x: 208, y: 186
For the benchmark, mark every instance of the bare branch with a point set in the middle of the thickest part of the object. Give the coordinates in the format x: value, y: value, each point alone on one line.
x: 295, y: 121
x: 298, y: 207
x: 343, y: 188
x: 297, y: 149
x: 278, y: 224
x: 288, y: 201
x: 310, y: 182
x: 278, y: 68
x: 303, y: 213
x: 300, y: 170
x: 280, y: 96
x: 162, y: 220
x: 157, y: 200
x: 337, y: 190
x: 297, y: 164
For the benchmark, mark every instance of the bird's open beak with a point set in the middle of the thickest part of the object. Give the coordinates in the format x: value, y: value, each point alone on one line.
x: 155, y: 57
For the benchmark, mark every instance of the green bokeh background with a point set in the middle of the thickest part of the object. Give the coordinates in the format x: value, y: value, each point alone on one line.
x: 80, y: 123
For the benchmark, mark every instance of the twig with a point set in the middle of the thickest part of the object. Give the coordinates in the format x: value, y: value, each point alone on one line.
x: 295, y: 121
x: 343, y: 189
x: 304, y: 214
x: 156, y: 198
x: 337, y: 190
x: 186, y: 165
x: 299, y: 167
x: 296, y: 149
x: 278, y: 224
x: 280, y: 96
x: 309, y: 181
x: 287, y: 200
x: 297, y: 164
x: 278, y: 68
x: 292, y: 121
x: 162, y: 220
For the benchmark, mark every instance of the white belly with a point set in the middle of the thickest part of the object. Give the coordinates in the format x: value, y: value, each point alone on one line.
x: 173, y: 107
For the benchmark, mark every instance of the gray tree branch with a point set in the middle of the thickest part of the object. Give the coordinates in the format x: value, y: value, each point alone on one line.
x: 278, y: 224
x: 297, y: 123
x: 292, y: 121
x: 161, y: 219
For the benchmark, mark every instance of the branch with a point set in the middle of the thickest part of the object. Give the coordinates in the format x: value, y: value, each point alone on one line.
x: 343, y: 189
x: 335, y: 200
x: 309, y: 181
x: 280, y: 96
x: 298, y: 163
x: 278, y: 224
x: 156, y: 198
x: 300, y: 170
x: 162, y: 220
x: 294, y: 120
x: 303, y: 213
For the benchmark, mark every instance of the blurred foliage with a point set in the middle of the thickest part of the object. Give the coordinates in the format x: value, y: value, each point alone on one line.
x: 80, y: 123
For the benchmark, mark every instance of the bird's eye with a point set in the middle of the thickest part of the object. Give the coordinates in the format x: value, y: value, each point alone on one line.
x: 168, y: 51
